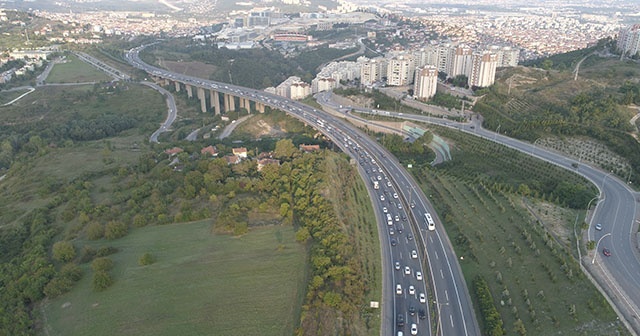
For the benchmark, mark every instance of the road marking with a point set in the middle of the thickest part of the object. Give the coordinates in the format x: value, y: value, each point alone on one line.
x: 431, y: 239
x: 441, y: 274
x: 446, y: 294
x: 451, y: 319
x: 437, y: 255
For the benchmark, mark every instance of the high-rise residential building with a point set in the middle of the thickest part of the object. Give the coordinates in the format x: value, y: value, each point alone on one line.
x: 294, y: 88
x: 507, y: 56
x: 320, y: 84
x: 629, y: 40
x: 461, y: 63
x: 400, y: 70
x: 425, y: 83
x: 483, y: 73
x: 370, y: 72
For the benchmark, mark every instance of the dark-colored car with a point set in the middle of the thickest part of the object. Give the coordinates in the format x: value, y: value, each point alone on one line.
x: 394, y: 242
x: 606, y: 252
x: 400, y: 320
x: 422, y: 314
x: 412, y: 310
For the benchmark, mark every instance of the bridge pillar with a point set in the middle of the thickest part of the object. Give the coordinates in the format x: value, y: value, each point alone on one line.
x: 225, y: 98
x: 215, y: 100
x: 260, y: 107
x: 177, y: 86
x: 203, y: 100
x: 189, y: 90
x: 232, y: 103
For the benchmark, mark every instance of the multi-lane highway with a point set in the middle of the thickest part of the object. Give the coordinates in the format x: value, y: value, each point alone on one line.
x: 616, y: 211
x: 172, y: 111
x: 427, y: 282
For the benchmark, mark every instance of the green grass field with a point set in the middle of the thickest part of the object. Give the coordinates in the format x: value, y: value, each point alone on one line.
x: 75, y: 71
x: 201, y: 284
x: 8, y: 96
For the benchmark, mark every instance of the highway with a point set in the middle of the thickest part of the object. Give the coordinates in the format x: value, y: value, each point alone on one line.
x: 616, y: 210
x: 416, y: 247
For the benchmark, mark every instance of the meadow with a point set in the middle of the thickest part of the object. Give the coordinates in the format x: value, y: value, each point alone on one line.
x: 200, y: 284
x: 73, y: 70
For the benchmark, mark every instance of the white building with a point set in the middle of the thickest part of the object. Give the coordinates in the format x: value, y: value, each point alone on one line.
x: 294, y: 88
x: 425, y: 83
x: 400, y: 70
x: 629, y: 40
x: 483, y: 73
x: 462, y: 62
x: 320, y: 84
x: 372, y: 71
x: 507, y: 56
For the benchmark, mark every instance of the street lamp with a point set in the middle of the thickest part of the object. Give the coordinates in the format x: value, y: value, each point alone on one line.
x: 438, y: 306
x: 598, y: 243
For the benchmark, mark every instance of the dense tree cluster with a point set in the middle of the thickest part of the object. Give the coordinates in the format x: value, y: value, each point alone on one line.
x: 491, y: 320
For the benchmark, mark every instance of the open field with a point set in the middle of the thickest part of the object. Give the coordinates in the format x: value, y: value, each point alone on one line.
x: 531, y: 277
x: 74, y: 70
x: 201, y: 284
x: 194, y: 68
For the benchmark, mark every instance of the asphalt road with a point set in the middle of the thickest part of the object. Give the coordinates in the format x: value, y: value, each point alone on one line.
x: 444, y: 277
x: 172, y: 111
x: 616, y: 209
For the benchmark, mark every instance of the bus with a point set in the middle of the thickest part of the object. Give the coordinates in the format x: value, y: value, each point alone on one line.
x: 429, y: 221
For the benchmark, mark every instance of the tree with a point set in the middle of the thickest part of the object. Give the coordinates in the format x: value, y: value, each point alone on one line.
x: 285, y: 149
x: 64, y: 251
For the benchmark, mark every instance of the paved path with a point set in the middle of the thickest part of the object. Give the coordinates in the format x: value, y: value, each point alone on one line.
x: 172, y: 111
x: 227, y: 130
x: 20, y: 96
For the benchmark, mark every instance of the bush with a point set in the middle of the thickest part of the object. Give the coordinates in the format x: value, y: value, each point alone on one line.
x: 87, y: 254
x: 146, y: 259
x: 491, y: 318
x: 94, y: 231
x: 64, y: 251
x: 101, y: 264
x: 57, y: 286
x: 105, y: 251
x: 101, y: 281
x: 115, y: 229
x: 71, y: 271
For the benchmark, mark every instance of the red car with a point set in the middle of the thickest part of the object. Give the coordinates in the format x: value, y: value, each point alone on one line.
x: 606, y: 252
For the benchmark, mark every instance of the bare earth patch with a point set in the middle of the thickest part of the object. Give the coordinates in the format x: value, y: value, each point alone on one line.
x: 553, y: 217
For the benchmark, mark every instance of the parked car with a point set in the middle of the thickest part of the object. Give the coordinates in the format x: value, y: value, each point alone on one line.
x: 606, y: 252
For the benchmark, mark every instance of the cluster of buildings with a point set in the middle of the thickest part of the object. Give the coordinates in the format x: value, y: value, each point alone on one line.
x: 33, y: 59
x: 419, y: 68
x: 629, y: 40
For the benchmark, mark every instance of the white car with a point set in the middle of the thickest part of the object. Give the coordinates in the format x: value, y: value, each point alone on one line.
x: 419, y: 275
x: 414, y: 254
x: 407, y: 270
x: 395, y: 195
x: 384, y: 209
x: 382, y: 197
x: 399, y: 289
x: 396, y: 265
x: 414, y: 329
x: 388, y: 183
x: 422, y: 298
x: 412, y: 290
x: 397, y: 218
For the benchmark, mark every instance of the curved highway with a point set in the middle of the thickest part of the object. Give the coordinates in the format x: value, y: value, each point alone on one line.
x: 433, y: 301
x: 616, y: 211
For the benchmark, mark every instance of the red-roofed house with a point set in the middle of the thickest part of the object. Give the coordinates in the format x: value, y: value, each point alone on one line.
x: 309, y: 148
x: 209, y: 150
x: 232, y: 159
x: 266, y: 161
x: 241, y: 152
x: 174, y: 151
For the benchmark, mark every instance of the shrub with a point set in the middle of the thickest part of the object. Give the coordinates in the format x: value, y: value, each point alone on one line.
x: 105, y: 251
x: 146, y: 259
x: 94, y: 231
x: 101, y: 264
x: 64, y: 251
x: 101, y: 281
x: 115, y: 229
